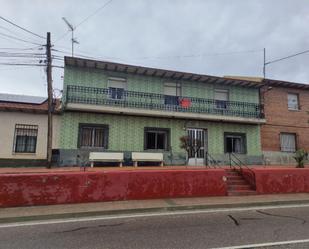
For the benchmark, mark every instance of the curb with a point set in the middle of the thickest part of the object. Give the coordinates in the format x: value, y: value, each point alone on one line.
x: 147, y: 210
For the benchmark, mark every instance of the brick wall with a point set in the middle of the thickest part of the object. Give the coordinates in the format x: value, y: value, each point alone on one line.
x: 280, y: 119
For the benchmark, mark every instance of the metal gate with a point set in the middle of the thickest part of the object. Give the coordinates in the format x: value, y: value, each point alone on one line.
x: 201, y: 135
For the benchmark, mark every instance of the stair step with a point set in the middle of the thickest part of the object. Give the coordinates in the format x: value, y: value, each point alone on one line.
x: 239, y: 187
x: 241, y: 192
x: 237, y: 182
x: 238, y: 177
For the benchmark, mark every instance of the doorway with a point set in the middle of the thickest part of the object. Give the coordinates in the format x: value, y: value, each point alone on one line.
x: 197, y: 135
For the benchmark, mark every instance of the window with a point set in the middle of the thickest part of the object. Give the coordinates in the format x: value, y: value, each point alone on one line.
x: 221, y: 98
x: 93, y: 136
x: 25, y: 138
x: 288, y: 142
x: 171, y: 92
x: 116, y: 87
x: 156, y: 139
x: 293, y: 101
x: 235, y: 143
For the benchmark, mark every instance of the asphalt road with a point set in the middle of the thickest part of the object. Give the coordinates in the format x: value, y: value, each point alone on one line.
x: 194, y: 230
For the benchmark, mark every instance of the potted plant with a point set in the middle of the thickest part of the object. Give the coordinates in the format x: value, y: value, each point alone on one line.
x: 300, y: 158
x: 190, y: 144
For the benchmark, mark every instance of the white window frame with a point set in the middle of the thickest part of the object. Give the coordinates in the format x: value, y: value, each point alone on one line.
x: 296, y: 107
x: 121, y: 81
x: 218, y: 90
x: 295, y: 141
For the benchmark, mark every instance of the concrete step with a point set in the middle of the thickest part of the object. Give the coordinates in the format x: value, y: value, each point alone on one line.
x: 237, y: 182
x: 241, y: 192
x: 235, y: 177
x: 239, y: 187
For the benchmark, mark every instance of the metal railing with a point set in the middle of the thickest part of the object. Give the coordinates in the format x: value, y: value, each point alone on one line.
x: 239, y: 166
x: 153, y: 101
x: 211, y: 162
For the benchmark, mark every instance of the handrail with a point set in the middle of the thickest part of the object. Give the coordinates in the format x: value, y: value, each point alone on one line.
x: 214, y: 162
x: 240, y: 164
x: 102, y: 96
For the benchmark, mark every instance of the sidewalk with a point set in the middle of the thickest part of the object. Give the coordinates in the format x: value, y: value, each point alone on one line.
x: 18, y: 214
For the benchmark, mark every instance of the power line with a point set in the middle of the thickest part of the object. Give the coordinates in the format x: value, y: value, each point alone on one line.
x: 32, y: 48
x: 84, y: 20
x: 287, y: 57
x: 24, y: 29
x: 18, y: 39
x: 197, y: 55
x: 94, y: 13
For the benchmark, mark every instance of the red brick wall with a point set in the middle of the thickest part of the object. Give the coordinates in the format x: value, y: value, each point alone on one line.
x: 280, y: 119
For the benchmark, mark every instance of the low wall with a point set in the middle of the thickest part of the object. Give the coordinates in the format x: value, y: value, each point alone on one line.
x: 281, y: 180
x: 79, y: 187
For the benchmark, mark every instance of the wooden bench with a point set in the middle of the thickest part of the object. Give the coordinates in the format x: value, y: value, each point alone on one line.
x: 147, y: 157
x: 106, y: 157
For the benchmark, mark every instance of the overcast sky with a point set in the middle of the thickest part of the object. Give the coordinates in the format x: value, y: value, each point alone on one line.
x: 215, y: 37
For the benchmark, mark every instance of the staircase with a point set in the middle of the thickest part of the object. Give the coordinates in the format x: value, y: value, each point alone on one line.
x: 237, y: 184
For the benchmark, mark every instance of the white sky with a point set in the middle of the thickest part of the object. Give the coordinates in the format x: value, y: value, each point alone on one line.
x: 201, y: 36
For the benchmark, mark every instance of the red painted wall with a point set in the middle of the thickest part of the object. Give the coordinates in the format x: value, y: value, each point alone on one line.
x: 270, y: 181
x: 79, y: 187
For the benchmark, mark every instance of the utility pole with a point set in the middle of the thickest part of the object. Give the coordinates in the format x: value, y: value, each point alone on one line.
x: 264, y: 63
x: 50, y: 101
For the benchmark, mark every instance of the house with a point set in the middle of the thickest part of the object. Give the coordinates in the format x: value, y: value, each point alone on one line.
x: 23, y: 133
x: 286, y: 107
x: 116, y: 107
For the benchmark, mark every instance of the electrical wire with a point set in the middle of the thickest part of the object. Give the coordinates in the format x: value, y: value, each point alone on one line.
x: 24, y: 29
x: 287, y: 57
x: 84, y: 20
x: 18, y: 39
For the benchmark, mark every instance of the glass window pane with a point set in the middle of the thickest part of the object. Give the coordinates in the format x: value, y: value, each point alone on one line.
x: 161, y: 141
x: 150, y: 140
x: 86, y: 137
x: 288, y: 142
x: 293, y: 101
x: 99, y: 137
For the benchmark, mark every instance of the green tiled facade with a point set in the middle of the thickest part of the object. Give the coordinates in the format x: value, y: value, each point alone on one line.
x: 98, y: 78
x: 126, y: 133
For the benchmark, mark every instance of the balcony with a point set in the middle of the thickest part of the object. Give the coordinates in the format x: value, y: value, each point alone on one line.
x: 113, y: 100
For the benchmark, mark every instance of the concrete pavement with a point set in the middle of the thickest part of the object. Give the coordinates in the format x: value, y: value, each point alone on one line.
x: 17, y: 214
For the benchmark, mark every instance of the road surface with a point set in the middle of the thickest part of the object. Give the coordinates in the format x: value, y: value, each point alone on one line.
x: 191, y: 229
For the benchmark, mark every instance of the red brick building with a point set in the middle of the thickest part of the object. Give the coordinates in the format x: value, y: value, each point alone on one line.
x: 286, y: 107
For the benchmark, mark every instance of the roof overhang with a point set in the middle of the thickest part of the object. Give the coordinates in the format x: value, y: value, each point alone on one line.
x: 156, y: 72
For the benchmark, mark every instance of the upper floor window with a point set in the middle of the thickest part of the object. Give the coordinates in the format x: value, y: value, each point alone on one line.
x: 171, y: 91
x: 221, y: 98
x: 293, y: 102
x: 91, y: 135
x: 288, y: 142
x: 116, y: 87
x: 25, y: 138
x: 235, y: 143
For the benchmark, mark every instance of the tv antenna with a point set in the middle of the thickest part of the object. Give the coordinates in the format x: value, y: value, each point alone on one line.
x: 71, y: 27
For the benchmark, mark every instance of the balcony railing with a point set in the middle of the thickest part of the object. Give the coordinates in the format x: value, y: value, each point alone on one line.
x: 152, y: 101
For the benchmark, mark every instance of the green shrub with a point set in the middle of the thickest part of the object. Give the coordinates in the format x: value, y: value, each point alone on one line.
x: 300, y: 158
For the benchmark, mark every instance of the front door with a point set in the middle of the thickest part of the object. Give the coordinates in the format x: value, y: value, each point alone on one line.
x: 197, y: 135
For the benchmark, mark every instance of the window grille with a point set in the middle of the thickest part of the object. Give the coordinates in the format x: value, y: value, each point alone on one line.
x: 25, y: 138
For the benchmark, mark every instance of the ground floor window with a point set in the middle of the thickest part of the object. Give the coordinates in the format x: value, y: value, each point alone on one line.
x: 235, y: 143
x: 288, y: 142
x: 25, y: 138
x: 156, y: 139
x: 92, y: 135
